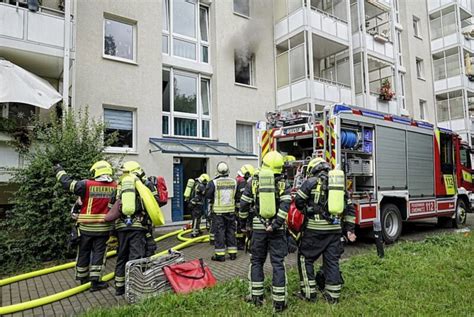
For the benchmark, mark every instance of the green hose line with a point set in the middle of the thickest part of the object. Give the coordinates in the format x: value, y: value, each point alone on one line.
x: 65, y: 266
x: 181, y: 236
x: 78, y: 289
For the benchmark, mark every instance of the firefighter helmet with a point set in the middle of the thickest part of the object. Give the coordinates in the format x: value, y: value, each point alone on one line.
x: 222, y: 168
x: 132, y: 167
x: 204, y: 178
x: 246, y: 171
x: 274, y: 161
x: 316, y: 165
x: 101, y: 168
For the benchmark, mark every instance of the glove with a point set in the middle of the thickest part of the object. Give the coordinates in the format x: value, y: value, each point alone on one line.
x: 57, y: 168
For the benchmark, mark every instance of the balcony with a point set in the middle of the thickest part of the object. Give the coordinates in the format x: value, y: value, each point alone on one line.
x: 324, y: 92
x: 34, y: 40
x: 375, y: 103
x: 437, y: 4
x: 445, y: 42
x: 449, y: 83
x: 320, y: 22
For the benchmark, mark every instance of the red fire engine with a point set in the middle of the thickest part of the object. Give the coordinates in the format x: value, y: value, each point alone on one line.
x: 397, y: 169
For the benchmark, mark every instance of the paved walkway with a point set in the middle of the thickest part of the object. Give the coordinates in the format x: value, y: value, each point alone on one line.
x: 56, y: 282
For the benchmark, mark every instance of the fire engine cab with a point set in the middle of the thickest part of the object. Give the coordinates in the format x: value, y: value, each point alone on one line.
x: 397, y: 169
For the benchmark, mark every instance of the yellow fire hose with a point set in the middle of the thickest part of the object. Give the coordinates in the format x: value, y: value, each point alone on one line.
x: 181, y: 236
x: 65, y: 266
x: 78, y: 289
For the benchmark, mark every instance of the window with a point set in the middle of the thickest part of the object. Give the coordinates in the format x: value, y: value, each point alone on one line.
x: 119, y: 39
x: 244, y: 68
x: 422, y: 109
x: 120, y: 122
x: 416, y: 27
x: 186, y: 104
x: 242, y: 7
x: 465, y: 156
x: 245, y: 137
x: 186, y: 30
x: 419, y: 68
x: 19, y: 113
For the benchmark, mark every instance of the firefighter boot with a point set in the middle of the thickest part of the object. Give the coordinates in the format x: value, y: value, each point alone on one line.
x: 98, y: 285
x: 330, y: 299
x: 313, y: 298
x: 119, y: 291
x: 233, y: 256
x: 256, y: 300
x: 320, y: 280
x: 218, y: 258
x: 279, y: 307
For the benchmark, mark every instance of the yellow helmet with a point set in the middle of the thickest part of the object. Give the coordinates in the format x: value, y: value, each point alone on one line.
x: 132, y: 167
x: 101, y: 168
x: 246, y: 171
x: 222, y: 168
x: 316, y: 165
x: 289, y: 158
x: 274, y: 161
x: 204, y: 178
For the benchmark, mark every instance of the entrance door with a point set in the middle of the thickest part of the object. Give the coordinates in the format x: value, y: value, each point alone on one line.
x: 184, y: 168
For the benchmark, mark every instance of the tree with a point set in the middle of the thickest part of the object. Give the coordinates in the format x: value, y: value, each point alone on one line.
x: 38, y: 226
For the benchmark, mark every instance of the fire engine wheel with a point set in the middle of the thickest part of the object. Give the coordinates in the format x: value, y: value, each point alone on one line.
x: 391, y: 223
x: 461, y: 214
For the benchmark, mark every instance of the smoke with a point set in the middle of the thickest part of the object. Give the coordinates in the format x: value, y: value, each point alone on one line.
x: 247, y: 39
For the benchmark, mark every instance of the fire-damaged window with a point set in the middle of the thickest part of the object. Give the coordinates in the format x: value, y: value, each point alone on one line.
x: 244, y: 68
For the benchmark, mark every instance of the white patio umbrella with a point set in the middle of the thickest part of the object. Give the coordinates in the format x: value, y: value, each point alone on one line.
x: 19, y: 85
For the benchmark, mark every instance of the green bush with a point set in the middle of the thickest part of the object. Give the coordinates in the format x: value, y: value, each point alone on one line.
x: 38, y: 226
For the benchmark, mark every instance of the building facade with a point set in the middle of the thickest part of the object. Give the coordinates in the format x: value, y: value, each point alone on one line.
x: 183, y: 82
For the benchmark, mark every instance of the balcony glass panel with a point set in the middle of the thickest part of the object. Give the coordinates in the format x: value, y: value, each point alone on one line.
x: 282, y: 70
x: 452, y: 65
x: 297, y: 63
x: 442, y: 106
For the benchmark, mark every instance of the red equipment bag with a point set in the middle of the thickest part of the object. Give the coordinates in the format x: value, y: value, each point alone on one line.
x: 295, y: 220
x: 189, y: 276
x: 162, y: 191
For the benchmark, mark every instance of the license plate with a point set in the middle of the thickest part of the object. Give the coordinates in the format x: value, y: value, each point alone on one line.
x: 293, y: 130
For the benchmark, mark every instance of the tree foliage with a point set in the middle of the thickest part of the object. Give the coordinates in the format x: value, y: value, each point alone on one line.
x: 38, y: 226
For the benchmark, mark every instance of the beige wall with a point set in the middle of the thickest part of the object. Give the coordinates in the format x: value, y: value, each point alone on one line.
x: 412, y: 47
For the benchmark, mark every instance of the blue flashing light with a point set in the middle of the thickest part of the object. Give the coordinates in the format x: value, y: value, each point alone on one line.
x: 341, y: 108
x: 372, y: 114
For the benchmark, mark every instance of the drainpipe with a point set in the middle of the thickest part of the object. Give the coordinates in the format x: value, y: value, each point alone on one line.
x: 67, y: 47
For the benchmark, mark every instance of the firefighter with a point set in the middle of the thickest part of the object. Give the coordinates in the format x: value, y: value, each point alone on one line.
x: 266, y: 200
x: 133, y: 227
x: 322, y: 235
x: 93, y: 231
x: 197, y: 203
x: 243, y: 176
x: 221, y: 193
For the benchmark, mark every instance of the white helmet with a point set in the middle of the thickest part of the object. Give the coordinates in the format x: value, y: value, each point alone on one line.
x: 222, y: 168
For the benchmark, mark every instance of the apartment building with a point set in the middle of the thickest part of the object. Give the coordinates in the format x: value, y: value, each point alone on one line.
x: 452, y: 48
x: 183, y: 82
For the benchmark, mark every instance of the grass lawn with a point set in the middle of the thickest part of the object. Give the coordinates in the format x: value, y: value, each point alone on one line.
x: 430, y: 278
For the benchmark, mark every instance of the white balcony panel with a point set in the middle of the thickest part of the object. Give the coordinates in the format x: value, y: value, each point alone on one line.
x: 440, y: 85
x: 369, y: 39
x: 372, y: 102
x: 342, y: 31
x: 393, y: 107
x: 466, y: 4
x: 45, y: 29
x: 11, y: 22
x: 332, y: 93
x: 454, y: 81
x: 318, y: 90
x: 437, y: 44
x: 316, y: 19
x: 389, y: 49
x: 295, y: 20
x: 450, y: 39
x: 10, y: 159
x: 281, y: 28
x: 384, y: 49
x: 458, y: 124
x: 346, y: 96
x: 444, y: 124
x: 382, y: 106
x: 283, y: 95
x: 298, y: 90
x: 329, y: 25
x: 356, y: 40
x: 360, y: 100
x: 468, y: 83
x: 379, y: 47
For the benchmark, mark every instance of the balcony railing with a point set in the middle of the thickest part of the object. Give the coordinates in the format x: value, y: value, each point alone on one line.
x: 436, y: 4
x: 41, y: 31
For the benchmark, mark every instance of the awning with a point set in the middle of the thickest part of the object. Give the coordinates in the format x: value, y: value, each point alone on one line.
x: 201, y: 147
x: 19, y: 85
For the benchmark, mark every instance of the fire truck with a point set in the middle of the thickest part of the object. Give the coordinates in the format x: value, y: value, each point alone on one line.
x: 397, y: 169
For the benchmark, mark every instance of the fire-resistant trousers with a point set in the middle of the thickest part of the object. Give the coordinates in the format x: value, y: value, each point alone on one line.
x: 224, y: 226
x: 313, y: 245
x: 239, y: 235
x: 196, y: 213
x: 275, y: 243
x: 91, y: 256
x: 131, y: 246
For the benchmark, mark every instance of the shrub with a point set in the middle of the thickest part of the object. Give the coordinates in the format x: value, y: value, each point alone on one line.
x: 38, y: 226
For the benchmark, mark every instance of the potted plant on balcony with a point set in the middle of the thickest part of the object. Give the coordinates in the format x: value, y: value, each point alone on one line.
x: 386, y: 92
